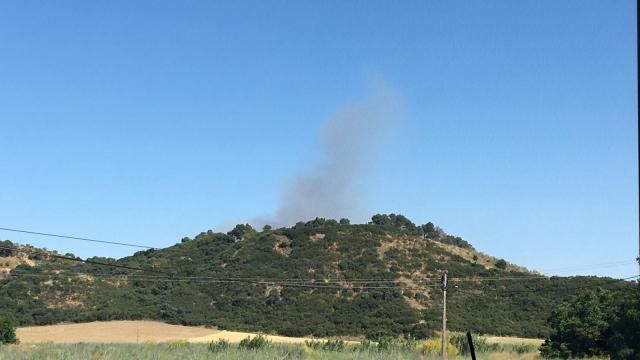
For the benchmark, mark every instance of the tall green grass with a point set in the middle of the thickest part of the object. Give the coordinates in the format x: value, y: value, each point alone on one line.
x: 182, y: 350
x: 185, y: 352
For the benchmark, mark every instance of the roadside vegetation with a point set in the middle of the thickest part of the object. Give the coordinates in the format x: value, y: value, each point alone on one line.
x: 259, y: 348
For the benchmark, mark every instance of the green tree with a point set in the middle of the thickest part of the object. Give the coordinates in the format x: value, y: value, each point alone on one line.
x: 580, y: 327
x: 624, y: 339
x: 381, y: 219
x: 240, y: 231
x: 7, y: 332
x: 6, y: 252
x: 428, y: 230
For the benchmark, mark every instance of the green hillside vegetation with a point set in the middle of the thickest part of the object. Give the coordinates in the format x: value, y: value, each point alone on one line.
x: 267, y: 293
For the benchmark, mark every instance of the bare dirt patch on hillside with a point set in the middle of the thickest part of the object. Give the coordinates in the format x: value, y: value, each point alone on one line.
x: 8, y: 263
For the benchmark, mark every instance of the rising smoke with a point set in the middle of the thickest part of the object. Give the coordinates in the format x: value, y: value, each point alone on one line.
x: 351, y: 141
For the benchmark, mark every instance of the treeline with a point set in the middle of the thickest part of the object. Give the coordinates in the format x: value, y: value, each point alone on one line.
x: 427, y: 231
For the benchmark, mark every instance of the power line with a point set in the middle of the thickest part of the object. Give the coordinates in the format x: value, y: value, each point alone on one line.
x: 548, y: 289
x: 343, y: 286
x: 92, y: 262
x: 590, y: 266
x: 321, y: 284
x: 601, y: 265
x: 77, y: 238
x: 299, y: 281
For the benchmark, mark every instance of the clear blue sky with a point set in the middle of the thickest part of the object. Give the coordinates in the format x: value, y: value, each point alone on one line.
x: 149, y: 121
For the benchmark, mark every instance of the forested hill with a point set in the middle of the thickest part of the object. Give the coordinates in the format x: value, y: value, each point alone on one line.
x: 322, y: 278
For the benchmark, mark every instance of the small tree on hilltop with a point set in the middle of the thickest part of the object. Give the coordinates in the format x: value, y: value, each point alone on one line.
x: 240, y: 231
x: 428, y: 230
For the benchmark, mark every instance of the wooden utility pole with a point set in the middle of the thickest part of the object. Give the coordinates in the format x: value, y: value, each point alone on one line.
x: 443, y: 285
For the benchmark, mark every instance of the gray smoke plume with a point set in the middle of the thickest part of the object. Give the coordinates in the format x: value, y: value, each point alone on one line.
x: 350, y: 141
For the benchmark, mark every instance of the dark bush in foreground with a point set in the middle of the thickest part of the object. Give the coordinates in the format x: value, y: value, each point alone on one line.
x: 217, y: 346
x: 7, y: 332
x: 329, y: 345
x: 257, y: 342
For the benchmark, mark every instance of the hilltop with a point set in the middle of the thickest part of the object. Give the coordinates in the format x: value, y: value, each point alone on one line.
x: 321, y: 278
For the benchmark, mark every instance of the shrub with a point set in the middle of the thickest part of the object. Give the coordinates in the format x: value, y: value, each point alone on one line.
x: 217, y: 346
x: 176, y: 344
x: 421, y: 331
x: 329, y: 345
x: 432, y: 347
x: 363, y: 346
x: 385, y: 343
x: 257, y: 342
x: 7, y: 332
x: 480, y: 344
x: 524, y: 348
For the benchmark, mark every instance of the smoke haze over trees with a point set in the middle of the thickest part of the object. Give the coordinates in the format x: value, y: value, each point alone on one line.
x: 349, y: 140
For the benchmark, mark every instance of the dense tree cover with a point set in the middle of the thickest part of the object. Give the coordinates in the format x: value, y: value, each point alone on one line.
x: 596, y: 324
x: 390, y: 248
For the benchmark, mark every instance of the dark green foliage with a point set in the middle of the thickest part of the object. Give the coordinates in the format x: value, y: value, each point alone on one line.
x: 329, y: 345
x: 596, y: 324
x: 421, y: 331
x: 455, y: 241
x: 311, y: 251
x: 580, y: 326
x: 7, y: 332
x: 240, y: 231
x: 430, y: 231
x: 624, y: 338
x: 254, y: 343
x: 501, y: 264
x: 4, y: 252
x: 399, y: 222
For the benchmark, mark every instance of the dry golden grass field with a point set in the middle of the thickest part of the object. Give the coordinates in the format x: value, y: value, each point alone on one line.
x: 132, y: 332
